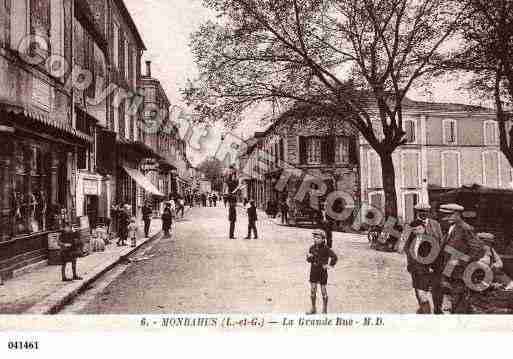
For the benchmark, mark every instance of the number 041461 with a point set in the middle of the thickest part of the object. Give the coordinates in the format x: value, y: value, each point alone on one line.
x: 23, y: 345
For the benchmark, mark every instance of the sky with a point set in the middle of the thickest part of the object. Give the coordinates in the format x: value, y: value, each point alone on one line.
x: 166, y: 26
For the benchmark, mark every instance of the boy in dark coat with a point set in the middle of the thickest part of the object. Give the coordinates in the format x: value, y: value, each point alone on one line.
x: 232, y: 217
x: 320, y: 257
x: 252, y: 218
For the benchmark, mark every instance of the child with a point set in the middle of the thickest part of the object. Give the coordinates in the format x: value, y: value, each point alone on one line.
x: 421, y: 274
x: 132, y: 232
x: 70, y: 250
x: 320, y: 256
x: 252, y: 218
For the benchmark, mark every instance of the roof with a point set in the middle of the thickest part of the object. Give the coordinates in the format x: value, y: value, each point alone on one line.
x: 130, y: 21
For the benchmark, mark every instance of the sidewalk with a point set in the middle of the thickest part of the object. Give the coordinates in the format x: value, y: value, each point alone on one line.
x: 41, y: 290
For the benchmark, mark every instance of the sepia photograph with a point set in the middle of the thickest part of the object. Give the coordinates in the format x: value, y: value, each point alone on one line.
x: 256, y: 164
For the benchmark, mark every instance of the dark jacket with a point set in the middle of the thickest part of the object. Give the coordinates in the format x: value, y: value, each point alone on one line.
x: 252, y: 214
x: 322, y: 255
x: 232, y: 214
x: 123, y: 221
x: 146, y: 212
x: 463, y: 239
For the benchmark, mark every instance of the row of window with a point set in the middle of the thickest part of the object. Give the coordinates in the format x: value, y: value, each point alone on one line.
x: 450, y: 170
x: 450, y: 132
x: 327, y: 150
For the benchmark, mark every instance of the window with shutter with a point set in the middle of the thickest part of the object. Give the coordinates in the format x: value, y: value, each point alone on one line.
x: 282, y: 150
x: 451, y: 169
x: 491, y: 169
x: 302, y: 150
x: 40, y: 18
x: 342, y: 150
x: 314, y: 150
x: 115, y: 44
x: 491, y: 133
x: 409, y: 128
x: 450, y: 134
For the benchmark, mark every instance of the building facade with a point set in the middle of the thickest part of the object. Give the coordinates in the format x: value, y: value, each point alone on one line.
x: 318, y: 150
x: 448, y: 146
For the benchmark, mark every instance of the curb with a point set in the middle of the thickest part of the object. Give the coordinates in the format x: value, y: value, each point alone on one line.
x: 55, y: 302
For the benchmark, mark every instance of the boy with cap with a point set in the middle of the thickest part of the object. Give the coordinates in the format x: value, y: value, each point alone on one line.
x: 461, y: 239
x: 433, y: 230
x: 320, y: 257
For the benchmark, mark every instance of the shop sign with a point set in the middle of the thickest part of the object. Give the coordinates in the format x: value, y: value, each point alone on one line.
x: 149, y: 165
x: 90, y: 187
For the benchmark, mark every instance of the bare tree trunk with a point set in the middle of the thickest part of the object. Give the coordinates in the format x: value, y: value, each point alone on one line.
x: 388, y: 174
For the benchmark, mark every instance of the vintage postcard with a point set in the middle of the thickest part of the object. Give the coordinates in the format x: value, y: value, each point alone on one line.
x: 255, y: 165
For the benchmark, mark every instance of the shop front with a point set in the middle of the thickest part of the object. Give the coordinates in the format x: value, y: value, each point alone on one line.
x: 37, y: 184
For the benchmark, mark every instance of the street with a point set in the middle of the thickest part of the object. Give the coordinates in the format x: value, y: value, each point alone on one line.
x: 201, y: 271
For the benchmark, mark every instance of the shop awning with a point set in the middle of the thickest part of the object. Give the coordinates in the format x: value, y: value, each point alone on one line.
x: 42, y: 117
x: 142, y: 181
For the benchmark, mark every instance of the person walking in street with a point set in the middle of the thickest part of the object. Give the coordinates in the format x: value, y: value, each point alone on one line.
x: 210, y: 199
x: 417, y: 247
x: 214, y: 199
x: 232, y: 216
x: 434, y: 230
x: 132, y: 232
x: 284, y: 208
x: 124, y: 220
x: 181, y: 207
x: 461, y: 238
x: 167, y: 219
x: 321, y: 258
x: 252, y: 219
x: 146, y: 215
x: 203, y: 199
x: 70, y: 250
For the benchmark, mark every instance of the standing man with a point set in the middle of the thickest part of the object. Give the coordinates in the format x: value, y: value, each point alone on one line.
x: 146, y: 214
x: 252, y: 219
x: 214, y: 199
x: 462, y: 240
x: 434, y: 230
x: 232, y: 216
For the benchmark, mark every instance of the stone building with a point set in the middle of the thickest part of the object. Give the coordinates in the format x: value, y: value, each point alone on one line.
x: 449, y: 145
x: 320, y: 151
x: 39, y: 137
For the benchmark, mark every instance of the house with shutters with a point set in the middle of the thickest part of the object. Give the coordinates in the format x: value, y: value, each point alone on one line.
x: 448, y: 146
x: 309, y: 144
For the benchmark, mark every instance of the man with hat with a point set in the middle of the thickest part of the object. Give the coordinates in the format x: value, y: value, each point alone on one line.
x: 434, y: 230
x: 493, y: 260
x: 320, y: 257
x: 460, y: 240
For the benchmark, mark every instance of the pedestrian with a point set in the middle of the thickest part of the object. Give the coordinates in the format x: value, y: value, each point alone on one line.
x: 167, y: 219
x: 434, y: 230
x: 416, y: 248
x: 232, y: 217
x: 214, y: 199
x: 71, y: 248
x: 284, y: 208
x: 181, y: 207
x: 124, y: 220
x: 460, y: 238
x: 132, y: 232
x: 146, y: 214
x: 252, y: 219
x: 210, y: 199
x: 320, y: 258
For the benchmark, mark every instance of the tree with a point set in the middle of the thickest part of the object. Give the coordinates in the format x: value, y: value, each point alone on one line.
x: 487, y: 53
x: 213, y: 170
x: 356, y: 59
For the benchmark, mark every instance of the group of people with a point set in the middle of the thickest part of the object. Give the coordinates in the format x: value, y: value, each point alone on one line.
x: 252, y: 216
x: 282, y: 208
x: 441, y: 280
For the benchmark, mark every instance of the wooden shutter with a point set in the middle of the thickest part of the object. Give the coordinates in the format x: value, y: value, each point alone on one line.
x: 302, y: 150
x: 282, y: 150
x: 324, y: 150
x: 353, y: 150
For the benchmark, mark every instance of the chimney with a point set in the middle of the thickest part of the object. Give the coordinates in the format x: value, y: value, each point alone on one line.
x: 148, y: 68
